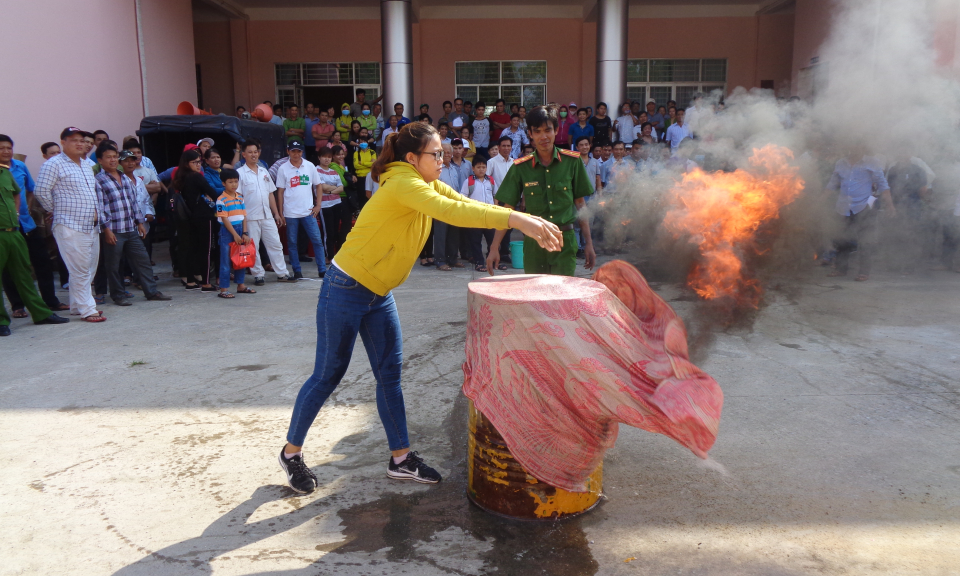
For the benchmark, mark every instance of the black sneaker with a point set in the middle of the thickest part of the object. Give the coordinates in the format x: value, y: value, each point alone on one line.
x: 413, y: 468
x: 258, y: 281
x: 299, y: 477
x: 298, y: 275
x: 322, y: 274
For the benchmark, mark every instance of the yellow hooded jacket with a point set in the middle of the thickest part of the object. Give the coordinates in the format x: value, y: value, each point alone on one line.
x: 342, y: 123
x: 394, y: 224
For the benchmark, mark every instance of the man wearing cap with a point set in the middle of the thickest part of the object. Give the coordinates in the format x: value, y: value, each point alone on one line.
x: 263, y: 218
x: 67, y: 187
x: 297, y: 200
x: 553, y: 184
x: 124, y: 227
x: 203, y: 145
x: 13, y: 249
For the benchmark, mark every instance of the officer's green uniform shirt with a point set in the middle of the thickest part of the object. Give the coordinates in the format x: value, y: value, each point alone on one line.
x: 8, y: 192
x: 14, y: 258
x: 548, y: 192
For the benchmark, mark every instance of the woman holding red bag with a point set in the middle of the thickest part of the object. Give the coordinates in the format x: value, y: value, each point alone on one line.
x: 233, y: 215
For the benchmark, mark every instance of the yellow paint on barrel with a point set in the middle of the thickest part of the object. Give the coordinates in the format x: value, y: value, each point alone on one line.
x: 498, y: 483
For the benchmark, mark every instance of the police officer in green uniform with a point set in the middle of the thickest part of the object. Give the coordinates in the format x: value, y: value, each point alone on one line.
x: 13, y: 248
x: 553, y: 184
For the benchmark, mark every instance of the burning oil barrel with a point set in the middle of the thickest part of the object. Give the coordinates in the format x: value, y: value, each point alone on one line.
x: 498, y: 483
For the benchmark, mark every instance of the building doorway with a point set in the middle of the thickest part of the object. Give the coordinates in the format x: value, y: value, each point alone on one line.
x: 326, y: 96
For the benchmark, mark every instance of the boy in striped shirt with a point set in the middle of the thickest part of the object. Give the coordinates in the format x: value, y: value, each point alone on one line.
x: 233, y: 215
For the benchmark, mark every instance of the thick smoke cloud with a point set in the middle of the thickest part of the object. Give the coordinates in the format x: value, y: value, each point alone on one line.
x: 878, y: 87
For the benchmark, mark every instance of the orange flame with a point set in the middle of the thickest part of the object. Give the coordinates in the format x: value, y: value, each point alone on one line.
x: 720, y: 212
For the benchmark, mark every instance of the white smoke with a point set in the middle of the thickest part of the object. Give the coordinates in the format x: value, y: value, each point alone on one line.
x: 879, y: 87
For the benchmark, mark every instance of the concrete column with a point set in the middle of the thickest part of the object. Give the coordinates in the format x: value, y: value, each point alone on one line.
x: 396, y: 32
x: 612, y: 19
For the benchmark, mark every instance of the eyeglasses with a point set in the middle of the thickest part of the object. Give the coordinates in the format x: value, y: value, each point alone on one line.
x: 438, y: 155
x: 195, y: 161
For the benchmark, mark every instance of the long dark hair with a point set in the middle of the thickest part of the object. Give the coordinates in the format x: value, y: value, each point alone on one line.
x: 412, y: 137
x: 183, y: 169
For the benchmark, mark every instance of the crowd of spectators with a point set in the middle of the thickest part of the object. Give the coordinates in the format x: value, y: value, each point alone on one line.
x: 88, y: 219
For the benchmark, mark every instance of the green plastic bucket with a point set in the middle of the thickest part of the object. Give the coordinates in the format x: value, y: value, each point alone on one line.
x: 516, y: 254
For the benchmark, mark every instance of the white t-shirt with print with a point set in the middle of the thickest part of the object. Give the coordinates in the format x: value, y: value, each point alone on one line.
x: 297, y: 184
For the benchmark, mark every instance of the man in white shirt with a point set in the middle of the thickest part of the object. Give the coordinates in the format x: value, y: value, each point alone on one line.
x: 694, y: 114
x: 677, y: 132
x: 263, y: 218
x: 501, y: 163
x: 297, y: 200
x: 67, y: 187
x: 390, y: 129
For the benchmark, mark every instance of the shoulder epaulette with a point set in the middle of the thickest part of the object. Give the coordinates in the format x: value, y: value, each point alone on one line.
x: 519, y: 161
x: 570, y: 152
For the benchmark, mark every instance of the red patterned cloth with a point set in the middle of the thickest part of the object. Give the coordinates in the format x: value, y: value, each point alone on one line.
x: 556, y: 363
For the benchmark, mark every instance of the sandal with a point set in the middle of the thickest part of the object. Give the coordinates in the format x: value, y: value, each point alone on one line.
x: 444, y: 268
x: 98, y: 317
x: 502, y: 267
x: 862, y: 277
x: 100, y: 299
x: 459, y: 265
x: 245, y: 290
x: 225, y: 295
x: 208, y: 288
x: 190, y: 285
x: 20, y: 313
x: 480, y: 268
x: 423, y: 262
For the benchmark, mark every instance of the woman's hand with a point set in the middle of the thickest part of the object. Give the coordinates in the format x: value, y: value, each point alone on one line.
x: 547, y: 234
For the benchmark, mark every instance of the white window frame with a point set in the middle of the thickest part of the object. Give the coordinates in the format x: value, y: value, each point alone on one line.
x: 297, y: 88
x: 500, y: 85
x: 701, y: 85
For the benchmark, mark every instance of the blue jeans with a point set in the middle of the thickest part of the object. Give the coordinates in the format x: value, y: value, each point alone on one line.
x: 346, y: 308
x: 312, y: 229
x: 226, y: 265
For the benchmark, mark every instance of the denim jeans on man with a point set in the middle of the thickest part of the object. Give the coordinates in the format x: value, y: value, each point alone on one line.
x: 346, y: 308
x: 226, y: 264
x: 309, y: 224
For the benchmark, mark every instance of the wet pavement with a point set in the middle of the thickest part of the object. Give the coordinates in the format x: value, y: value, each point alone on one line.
x: 148, y: 444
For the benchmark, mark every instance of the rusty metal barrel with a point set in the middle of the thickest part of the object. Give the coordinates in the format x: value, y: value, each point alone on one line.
x: 498, y: 483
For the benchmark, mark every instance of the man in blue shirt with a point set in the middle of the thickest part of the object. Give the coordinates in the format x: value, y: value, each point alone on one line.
x: 36, y: 244
x: 401, y: 119
x: 860, y: 181
x: 311, y: 120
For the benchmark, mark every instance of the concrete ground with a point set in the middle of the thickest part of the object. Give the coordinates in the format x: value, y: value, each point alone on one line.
x: 147, y: 445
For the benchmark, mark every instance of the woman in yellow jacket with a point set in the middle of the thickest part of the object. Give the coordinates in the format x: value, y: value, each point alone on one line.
x: 343, y: 121
x: 355, y: 297
x: 363, y: 159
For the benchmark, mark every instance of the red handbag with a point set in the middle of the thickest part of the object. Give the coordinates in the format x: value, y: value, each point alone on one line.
x: 243, y: 255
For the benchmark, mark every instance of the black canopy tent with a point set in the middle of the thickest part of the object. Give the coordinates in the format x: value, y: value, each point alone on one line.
x: 163, y: 137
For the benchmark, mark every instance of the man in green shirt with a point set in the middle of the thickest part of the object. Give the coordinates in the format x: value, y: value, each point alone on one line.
x: 553, y: 184
x: 14, y: 257
x: 294, y: 127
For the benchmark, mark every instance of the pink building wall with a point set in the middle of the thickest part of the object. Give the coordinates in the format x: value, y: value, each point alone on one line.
x: 756, y: 48
x: 71, y: 72
x: 810, y: 29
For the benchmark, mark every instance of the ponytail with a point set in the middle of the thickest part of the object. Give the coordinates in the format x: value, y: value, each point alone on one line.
x: 412, y: 137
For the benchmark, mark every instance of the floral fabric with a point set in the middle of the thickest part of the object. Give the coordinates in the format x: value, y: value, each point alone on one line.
x: 557, y: 363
